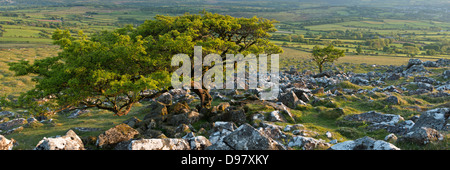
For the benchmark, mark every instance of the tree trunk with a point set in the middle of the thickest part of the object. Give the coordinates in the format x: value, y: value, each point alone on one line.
x: 203, y: 93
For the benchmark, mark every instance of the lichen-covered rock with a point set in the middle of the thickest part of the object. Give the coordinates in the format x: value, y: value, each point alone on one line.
x: 6, y: 114
x: 365, y: 143
x: 435, y: 119
x: 6, y: 144
x: 422, y: 136
x: 359, y: 81
x: 308, y: 143
x: 248, y: 138
x: 289, y: 99
x: 77, y: 113
x: 165, y: 98
x: 12, y: 123
x: 413, y: 62
x: 375, y: 118
x: 119, y: 133
x: 425, y: 80
x: 197, y: 142
x: 159, y: 144
x: 70, y: 141
x: 392, y: 100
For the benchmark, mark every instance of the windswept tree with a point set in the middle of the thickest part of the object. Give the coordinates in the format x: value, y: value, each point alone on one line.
x: 324, y: 55
x: 112, y: 70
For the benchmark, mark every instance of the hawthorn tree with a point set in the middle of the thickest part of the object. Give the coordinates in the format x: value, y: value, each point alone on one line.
x: 112, y: 69
x: 326, y: 54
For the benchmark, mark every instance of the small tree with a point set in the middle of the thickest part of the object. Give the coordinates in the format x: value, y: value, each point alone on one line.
x: 327, y: 54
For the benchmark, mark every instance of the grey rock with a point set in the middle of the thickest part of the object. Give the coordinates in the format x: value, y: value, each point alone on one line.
x: 359, y: 81
x: 413, y: 62
x: 394, y: 76
x: 6, y: 144
x: 248, y: 138
x: 12, y: 123
x: 275, y: 116
x: 308, y: 143
x: 446, y: 74
x: 443, y: 62
x: 391, y: 88
x: 70, y: 141
x: 86, y: 129
x: 391, y: 138
x: 6, y: 114
x: 422, y: 136
x: 14, y: 130
x: 77, y: 113
x: 113, y: 136
x: 365, y: 143
x: 430, y: 64
x: 416, y: 69
x: 392, y: 100
x: 159, y: 144
x: 375, y: 118
x: 165, y: 98
x: 435, y: 119
x: 425, y: 80
x: 425, y: 86
x: 289, y: 99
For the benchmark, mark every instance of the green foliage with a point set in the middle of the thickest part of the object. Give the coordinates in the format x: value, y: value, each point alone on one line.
x: 325, y: 55
x: 110, y: 69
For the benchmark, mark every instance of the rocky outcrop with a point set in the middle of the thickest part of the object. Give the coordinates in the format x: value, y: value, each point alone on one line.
x: 12, y: 123
x: 375, y: 118
x: 245, y: 138
x: 6, y: 144
x: 158, y: 144
x: 422, y: 136
x: 70, y: 141
x: 436, y: 119
x: 365, y: 143
x: 113, y: 136
x: 308, y: 143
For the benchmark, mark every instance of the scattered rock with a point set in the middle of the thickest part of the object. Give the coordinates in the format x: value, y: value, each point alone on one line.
x: 14, y: 130
x: 435, y: 119
x: 365, y: 143
x: 197, y: 142
x: 6, y: 114
x: 393, y: 77
x: 375, y: 118
x: 12, y: 123
x: 245, y: 138
x: 308, y: 143
x: 289, y: 99
x: 158, y: 144
x: 6, y: 144
x: 392, y: 100
x: 165, y: 98
x: 446, y: 74
x: 77, y: 113
x: 422, y: 136
x: 416, y: 69
x: 119, y: 133
x: 86, y: 129
x: 248, y: 138
x: 359, y: 81
x: 413, y: 62
x: 391, y: 138
x: 430, y: 64
x: 70, y: 141
x: 425, y: 80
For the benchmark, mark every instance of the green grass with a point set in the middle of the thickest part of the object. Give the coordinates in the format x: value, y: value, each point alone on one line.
x: 29, y: 137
